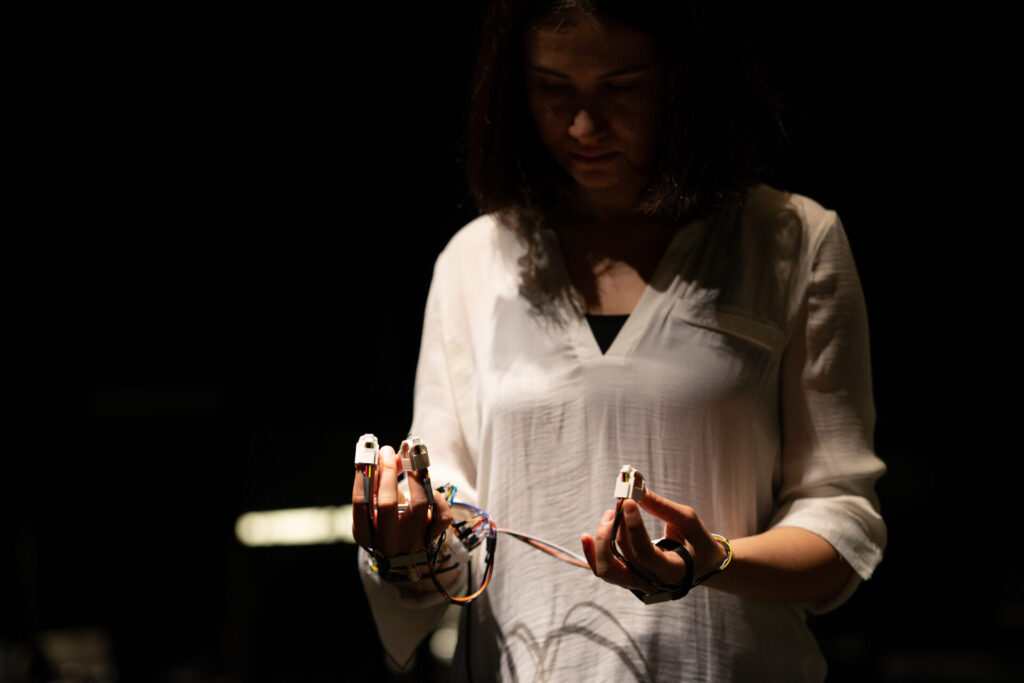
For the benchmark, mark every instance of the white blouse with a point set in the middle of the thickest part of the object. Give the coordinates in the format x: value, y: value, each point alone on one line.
x: 739, y: 385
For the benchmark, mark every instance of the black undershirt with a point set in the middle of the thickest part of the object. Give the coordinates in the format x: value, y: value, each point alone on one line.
x: 605, y: 328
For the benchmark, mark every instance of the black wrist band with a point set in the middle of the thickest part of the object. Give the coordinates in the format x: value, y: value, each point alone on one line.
x: 676, y: 590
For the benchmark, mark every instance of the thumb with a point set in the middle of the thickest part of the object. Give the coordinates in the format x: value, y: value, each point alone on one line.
x: 681, y: 516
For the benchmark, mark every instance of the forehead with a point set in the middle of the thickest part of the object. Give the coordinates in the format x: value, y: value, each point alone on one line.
x: 586, y: 45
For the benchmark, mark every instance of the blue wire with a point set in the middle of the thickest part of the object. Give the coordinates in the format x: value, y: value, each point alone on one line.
x: 489, y: 527
x: 474, y: 508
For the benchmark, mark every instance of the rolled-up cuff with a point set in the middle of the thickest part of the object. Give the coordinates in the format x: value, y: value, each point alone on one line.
x: 851, y: 525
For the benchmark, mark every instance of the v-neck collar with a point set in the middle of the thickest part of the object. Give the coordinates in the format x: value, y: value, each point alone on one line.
x: 581, y: 337
x: 605, y: 327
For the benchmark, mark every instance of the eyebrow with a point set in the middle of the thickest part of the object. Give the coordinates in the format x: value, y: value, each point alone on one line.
x: 623, y: 71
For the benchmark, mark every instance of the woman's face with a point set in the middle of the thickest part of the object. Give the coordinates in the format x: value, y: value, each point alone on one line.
x: 595, y: 88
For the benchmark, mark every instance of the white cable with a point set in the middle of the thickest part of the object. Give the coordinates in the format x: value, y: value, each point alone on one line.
x: 549, y: 544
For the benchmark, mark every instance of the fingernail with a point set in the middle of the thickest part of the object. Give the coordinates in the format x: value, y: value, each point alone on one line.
x: 608, y: 516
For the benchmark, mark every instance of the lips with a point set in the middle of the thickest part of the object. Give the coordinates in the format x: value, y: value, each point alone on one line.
x: 592, y: 156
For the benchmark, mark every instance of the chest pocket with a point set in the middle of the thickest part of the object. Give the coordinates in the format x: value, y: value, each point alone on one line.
x: 732, y: 322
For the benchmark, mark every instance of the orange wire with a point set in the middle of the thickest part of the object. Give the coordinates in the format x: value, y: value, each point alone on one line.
x: 540, y: 545
x: 555, y: 553
x: 466, y: 599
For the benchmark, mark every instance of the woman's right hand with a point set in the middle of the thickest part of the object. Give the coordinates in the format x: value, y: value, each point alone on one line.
x: 397, y: 533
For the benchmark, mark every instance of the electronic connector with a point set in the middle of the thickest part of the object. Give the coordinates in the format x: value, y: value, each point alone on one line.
x: 414, y: 455
x: 629, y: 484
x: 367, y: 450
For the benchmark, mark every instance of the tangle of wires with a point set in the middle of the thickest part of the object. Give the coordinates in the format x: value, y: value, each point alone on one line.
x: 473, y: 528
x: 476, y: 529
x: 437, y: 557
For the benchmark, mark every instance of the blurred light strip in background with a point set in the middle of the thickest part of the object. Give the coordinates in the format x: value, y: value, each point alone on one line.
x: 297, y: 526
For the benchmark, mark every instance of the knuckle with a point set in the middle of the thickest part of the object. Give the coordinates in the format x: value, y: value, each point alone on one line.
x: 646, y: 552
x: 417, y: 509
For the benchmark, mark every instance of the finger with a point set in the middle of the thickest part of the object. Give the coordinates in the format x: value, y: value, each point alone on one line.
x: 604, y: 561
x: 606, y: 565
x: 671, y: 512
x: 403, y: 452
x: 416, y: 519
x: 442, y: 516
x: 654, y: 563
x: 360, y: 523
x: 630, y: 542
x: 682, y: 524
x: 589, y: 551
x: 634, y: 541
x: 387, y: 503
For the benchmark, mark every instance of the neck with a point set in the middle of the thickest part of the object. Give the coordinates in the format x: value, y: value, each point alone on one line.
x: 621, y: 208
x: 633, y: 239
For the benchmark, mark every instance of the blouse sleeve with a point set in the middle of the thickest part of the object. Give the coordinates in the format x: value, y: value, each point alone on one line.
x: 828, y: 463
x: 403, y: 618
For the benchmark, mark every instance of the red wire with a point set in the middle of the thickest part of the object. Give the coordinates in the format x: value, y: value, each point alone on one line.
x: 540, y: 545
x: 555, y: 553
x: 466, y: 599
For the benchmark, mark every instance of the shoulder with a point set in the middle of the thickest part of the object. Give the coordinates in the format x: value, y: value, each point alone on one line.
x: 482, y: 244
x: 481, y: 256
x: 476, y: 236
x: 790, y: 217
x: 769, y: 245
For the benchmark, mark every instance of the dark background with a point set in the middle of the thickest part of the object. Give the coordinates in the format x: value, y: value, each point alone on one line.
x: 203, y: 210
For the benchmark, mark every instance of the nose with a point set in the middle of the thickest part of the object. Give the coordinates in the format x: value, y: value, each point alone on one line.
x: 585, y: 127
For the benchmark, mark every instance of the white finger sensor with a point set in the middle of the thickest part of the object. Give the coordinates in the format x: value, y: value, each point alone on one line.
x: 629, y: 484
x: 415, y: 456
x: 367, y: 450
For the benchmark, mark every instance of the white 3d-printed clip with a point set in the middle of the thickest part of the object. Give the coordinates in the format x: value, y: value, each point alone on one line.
x: 367, y: 450
x: 414, y: 455
x: 629, y: 484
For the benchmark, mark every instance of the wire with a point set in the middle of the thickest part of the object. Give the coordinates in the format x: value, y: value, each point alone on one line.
x: 491, y: 542
x: 425, y: 483
x: 615, y: 548
x: 615, y: 533
x: 368, y: 504
x: 550, y: 548
x: 475, y: 529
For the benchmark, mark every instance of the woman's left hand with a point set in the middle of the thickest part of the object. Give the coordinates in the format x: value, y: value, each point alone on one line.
x: 651, y: 562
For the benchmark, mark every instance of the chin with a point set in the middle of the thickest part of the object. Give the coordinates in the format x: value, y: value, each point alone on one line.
x: 599, y: 179
x: 610, y: 183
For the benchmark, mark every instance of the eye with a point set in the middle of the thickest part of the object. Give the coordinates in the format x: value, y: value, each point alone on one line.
x: 552, y: 87
x: 621, y: 86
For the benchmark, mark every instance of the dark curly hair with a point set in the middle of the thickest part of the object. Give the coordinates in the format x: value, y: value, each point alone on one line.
x: 719, y: 113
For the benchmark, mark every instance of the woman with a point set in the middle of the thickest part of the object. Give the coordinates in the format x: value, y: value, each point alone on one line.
x: 631, y: 297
